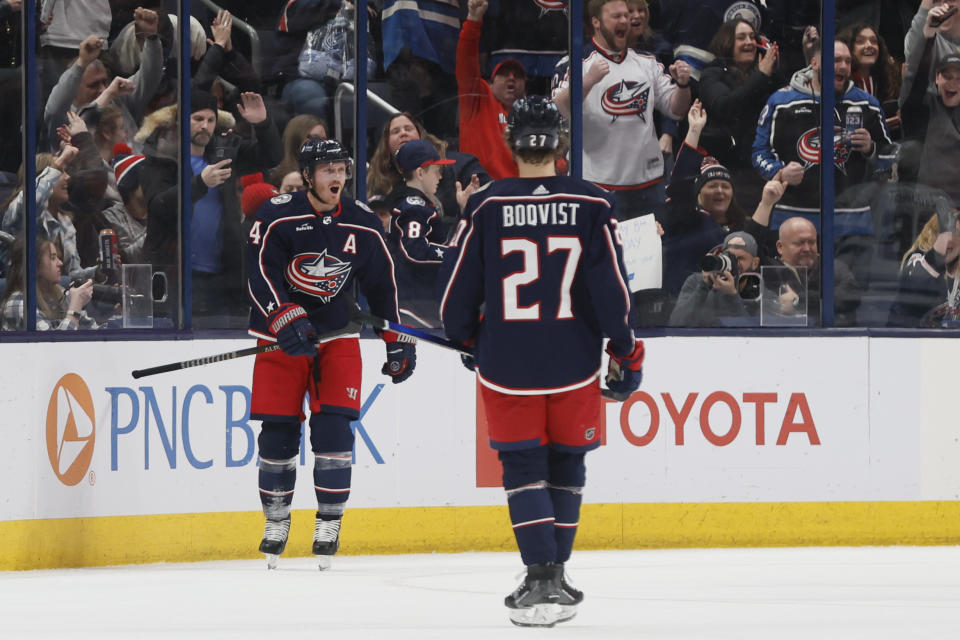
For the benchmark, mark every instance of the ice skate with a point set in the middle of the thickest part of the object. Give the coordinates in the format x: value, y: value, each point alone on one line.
x: 326, y: 541
x: 536, y: 602
x: 570, y: 598
x: 274, y: 541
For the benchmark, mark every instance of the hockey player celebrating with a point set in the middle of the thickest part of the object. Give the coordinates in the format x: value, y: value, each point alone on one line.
x: 306, y: 252
x: 542, y: 254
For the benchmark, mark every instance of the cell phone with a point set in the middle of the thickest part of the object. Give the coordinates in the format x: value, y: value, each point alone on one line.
x: 225, y: 147
x: 936, y: 22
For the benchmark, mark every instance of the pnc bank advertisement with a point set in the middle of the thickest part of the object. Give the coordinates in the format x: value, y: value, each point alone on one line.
x: 716, y: 419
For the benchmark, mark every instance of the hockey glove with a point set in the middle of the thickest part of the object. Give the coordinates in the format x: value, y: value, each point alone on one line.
x: 401, y: 360
x: 295, y: 334
x: 624, y: 373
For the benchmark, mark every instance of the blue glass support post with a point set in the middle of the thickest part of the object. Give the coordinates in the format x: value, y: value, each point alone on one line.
x: 29, y: 119
x: 575, y: 13
x: 186, y: 171
x: 827, y: 186
x: 360, y: 102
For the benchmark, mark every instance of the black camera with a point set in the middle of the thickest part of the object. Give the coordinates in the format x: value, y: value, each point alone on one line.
x: 106, y: 293
x: 720, y: 262
x: 749, y: 286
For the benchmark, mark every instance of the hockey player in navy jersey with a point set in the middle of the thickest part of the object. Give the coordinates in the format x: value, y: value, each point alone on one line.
x: 307, y: 251
x: 413, y: 217
x: 542, y: 256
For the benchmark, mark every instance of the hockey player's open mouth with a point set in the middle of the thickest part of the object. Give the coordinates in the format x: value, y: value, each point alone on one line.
x: 335, y: 189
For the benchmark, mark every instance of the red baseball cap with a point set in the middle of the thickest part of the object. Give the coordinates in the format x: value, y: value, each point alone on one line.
x: 506, y: 65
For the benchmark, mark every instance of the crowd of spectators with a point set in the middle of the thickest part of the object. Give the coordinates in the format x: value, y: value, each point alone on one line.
x: 704, y: 113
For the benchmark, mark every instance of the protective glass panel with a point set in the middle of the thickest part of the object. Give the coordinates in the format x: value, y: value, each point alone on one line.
x: 896, y: 219
x: 11, y: 159
x: 682, y: 123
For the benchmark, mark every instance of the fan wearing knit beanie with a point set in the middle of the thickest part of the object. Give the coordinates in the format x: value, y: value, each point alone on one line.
x: 129, y: 217
x: 255, y: 193
x: 218, y: 157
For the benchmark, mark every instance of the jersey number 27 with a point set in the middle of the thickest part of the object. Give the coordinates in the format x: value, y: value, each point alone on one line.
x: 531, y: 272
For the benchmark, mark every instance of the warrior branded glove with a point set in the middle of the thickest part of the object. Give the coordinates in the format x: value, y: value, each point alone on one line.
x: 401, y: 360
x: 624, y: 373
x: 295, y: 334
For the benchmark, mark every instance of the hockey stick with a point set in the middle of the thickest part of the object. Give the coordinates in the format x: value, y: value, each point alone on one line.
x: 420, y: 334
x: 230, y: 355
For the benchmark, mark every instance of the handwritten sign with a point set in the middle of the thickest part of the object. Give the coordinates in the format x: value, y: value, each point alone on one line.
x: 642, y: 252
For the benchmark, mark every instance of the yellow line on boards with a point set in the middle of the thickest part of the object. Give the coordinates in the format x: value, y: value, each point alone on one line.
x: 86, y: 542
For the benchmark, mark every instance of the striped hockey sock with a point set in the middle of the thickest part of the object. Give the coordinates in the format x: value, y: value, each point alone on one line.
x: 531, y: 512
x: 331, y: 481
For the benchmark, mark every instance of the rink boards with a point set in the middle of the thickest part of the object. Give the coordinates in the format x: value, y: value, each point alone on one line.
x: 730, y: 442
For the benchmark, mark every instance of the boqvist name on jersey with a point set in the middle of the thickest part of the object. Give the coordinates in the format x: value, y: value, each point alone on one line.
x: 541, y: 213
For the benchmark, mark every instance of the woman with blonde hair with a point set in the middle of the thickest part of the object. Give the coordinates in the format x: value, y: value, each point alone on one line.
x: 929, y: 289
x: 298, y: 130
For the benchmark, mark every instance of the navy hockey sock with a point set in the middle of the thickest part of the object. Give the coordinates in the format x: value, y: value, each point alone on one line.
x: 331, y: 481
x: 566, y: 506
x: 276, y: 480
x: 531, y: 509
x: 567, y: 477
x: 279, y: 444
x: 332, y: 442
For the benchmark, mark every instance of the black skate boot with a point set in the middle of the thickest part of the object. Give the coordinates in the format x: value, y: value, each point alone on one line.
x: 570, y: 598
x: 326, y: 540
x: 274, y: 541
x: 536, y: 602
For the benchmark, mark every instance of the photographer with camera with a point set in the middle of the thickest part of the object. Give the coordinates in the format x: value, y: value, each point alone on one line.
x: 726, y: 291
x: 217, y: 157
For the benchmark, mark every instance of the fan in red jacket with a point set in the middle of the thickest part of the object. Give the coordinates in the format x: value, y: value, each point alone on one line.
x: 484, y: 107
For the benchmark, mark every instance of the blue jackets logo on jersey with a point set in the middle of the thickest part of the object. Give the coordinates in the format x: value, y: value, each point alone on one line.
x: 627, y: 98
x: 318, y: 274
x: 808, y: 148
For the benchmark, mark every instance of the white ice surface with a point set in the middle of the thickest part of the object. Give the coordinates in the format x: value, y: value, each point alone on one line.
x: 744, y: 594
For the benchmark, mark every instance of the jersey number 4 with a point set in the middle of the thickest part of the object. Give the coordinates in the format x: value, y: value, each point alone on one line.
x: 531, y: 272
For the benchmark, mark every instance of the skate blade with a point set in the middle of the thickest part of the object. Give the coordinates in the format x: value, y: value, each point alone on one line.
x: 567, y: 613
x: 272, y: 559
x: 539, y: 615
x: 324, y: 562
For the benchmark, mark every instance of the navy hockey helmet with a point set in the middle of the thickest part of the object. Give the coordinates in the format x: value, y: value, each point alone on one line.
x: 534, y: 123
x: 315, y: 152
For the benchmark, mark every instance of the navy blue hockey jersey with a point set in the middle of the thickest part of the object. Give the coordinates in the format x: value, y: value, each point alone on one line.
x: 298, y: 255
x: 417, y: 260
x: 543, y: 260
